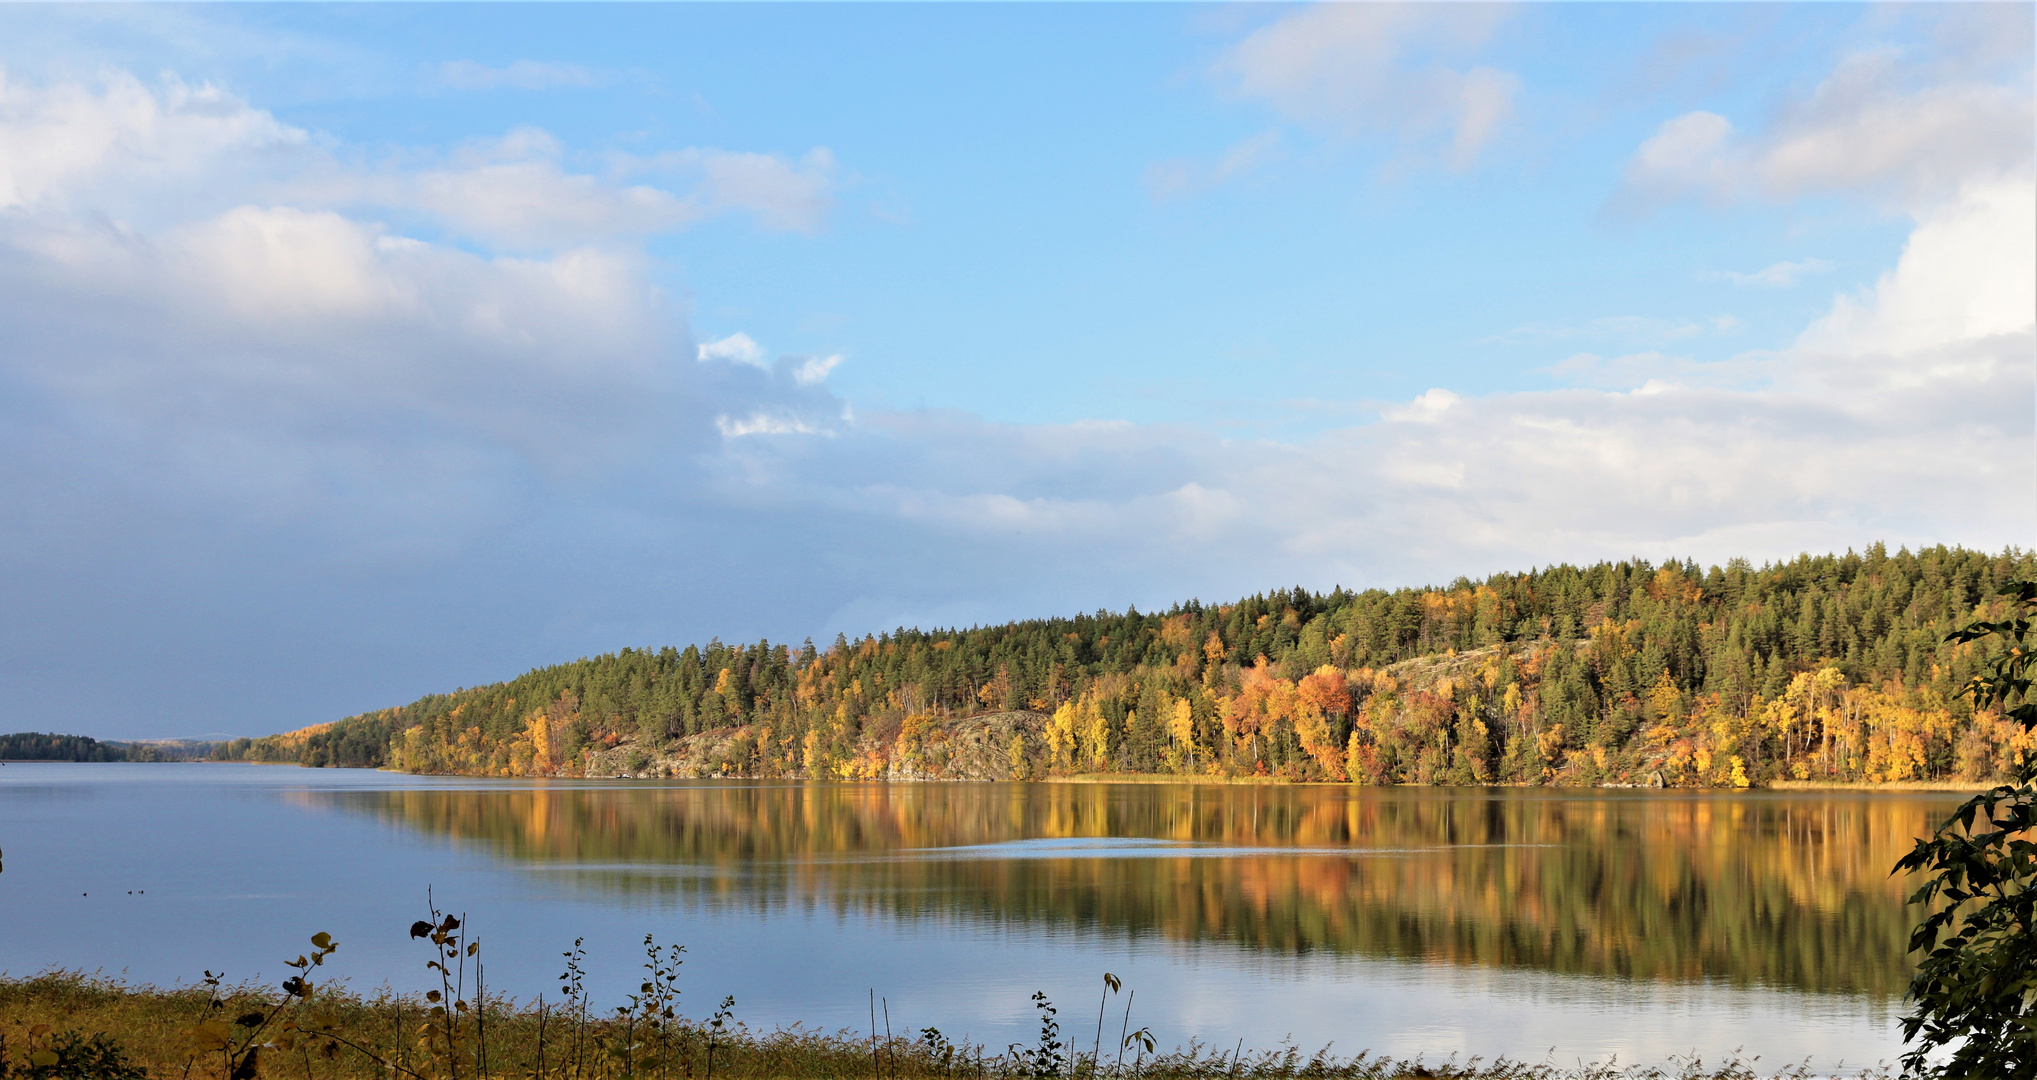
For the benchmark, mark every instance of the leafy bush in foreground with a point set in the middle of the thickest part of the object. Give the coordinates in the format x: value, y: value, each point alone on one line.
x: 1976, y: 988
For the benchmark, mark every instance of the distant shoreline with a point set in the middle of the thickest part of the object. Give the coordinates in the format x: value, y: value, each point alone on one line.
x: 1946, y: 786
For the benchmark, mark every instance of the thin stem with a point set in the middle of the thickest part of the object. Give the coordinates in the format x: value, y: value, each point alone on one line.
x: 1126, y: 1028
x: 1096, y: 1049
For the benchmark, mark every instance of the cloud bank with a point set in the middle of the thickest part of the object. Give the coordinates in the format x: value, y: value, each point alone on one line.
x: 1871, y: 126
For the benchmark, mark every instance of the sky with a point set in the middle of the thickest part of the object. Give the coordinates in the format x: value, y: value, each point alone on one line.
x: 353, y: 353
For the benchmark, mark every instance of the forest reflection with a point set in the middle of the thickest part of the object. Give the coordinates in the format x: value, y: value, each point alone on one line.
x: 1781, y: 889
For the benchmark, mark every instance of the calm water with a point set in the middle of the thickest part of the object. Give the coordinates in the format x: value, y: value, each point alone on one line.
x: 1411, y: 920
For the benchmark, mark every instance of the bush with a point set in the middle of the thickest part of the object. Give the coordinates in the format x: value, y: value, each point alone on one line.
x: 1976, y: 988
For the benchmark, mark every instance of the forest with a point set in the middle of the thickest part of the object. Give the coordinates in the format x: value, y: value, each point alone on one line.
x: 1822, y: 668
x: 45, y: 746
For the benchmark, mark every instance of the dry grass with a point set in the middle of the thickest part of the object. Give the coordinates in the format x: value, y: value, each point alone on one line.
x: 66, y: 1025
x: 152, y: 1026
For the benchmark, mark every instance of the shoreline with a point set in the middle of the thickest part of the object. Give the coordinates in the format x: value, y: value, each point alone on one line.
x: 1946, y: 786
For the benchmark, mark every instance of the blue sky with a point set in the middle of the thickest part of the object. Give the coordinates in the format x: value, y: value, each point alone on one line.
x: 369, y: 350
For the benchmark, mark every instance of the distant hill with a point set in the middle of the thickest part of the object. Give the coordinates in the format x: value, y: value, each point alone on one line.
x: 1829, y: 667
x: 43, y: 746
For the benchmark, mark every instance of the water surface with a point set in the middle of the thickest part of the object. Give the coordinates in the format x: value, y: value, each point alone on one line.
x: 1523, y: 922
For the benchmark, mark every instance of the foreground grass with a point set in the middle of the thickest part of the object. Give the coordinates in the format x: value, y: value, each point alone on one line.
x: 64, y: 1025
x: 337, y: 1035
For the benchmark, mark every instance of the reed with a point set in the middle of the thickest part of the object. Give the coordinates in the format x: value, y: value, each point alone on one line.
x: 69, y: 1025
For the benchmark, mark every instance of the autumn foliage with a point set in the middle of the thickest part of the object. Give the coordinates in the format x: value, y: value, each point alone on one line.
x: 1827, y: 668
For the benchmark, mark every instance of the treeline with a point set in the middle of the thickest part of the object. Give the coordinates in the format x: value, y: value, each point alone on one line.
x: 1827, y: 667
x: 47, y: 746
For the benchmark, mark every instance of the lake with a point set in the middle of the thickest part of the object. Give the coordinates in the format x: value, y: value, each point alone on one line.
x: 1535, y: 923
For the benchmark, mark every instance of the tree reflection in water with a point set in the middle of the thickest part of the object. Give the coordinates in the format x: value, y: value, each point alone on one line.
x: 1781, y: 889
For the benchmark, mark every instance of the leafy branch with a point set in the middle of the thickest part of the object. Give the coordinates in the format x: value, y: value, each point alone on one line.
x: 1975, y: 990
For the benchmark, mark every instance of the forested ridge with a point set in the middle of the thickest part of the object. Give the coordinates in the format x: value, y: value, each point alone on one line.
x: 1829, y: 667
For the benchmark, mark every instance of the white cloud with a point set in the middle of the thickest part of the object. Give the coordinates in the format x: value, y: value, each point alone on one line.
x: 1779, y: 275
x: 815, y: 369
x: 1967, y: 274
x: 1685, y: 151
x: 185, y: 276
x: 793, y: 386
x: 516, y: 191
x: 61, y: 144
x: 517, y: 75
x: 785, y: 194
x: 149, y: 156
x: 1429, y: 408
x: 1868, y: 127
x: 741, y: 348
x: 304, y: 336
x: 1906, y: 411
x: 758, y: 423
x: 1381, y: 68
x: 737, y: 348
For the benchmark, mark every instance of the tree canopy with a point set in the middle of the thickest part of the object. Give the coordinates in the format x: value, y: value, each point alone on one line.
x: 1827, y: 667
